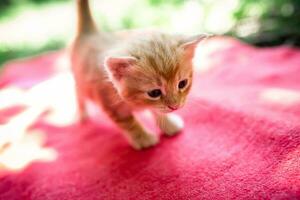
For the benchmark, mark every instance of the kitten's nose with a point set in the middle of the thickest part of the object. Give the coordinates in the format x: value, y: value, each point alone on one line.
x: 173, y: 107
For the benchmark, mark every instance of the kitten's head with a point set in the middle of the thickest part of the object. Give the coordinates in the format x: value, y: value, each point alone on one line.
x: 156, y: 72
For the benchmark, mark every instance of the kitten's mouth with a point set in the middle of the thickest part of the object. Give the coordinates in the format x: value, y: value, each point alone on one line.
x: 163, y: 111
x: 168, y: 110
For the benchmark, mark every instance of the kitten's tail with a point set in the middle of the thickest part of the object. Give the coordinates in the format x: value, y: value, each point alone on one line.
x: 85, y: 22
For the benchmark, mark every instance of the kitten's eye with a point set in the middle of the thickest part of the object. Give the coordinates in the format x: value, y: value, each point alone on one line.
x: 154, y: 93
x: 182, y: 84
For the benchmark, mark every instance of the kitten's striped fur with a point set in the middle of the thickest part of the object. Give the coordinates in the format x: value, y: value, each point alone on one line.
x: 117, y: 74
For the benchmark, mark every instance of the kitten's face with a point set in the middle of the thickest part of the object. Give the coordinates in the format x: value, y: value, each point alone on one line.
x: 158, y: 73
x: 161, y: 92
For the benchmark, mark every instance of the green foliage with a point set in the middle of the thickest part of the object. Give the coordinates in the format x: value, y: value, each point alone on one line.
x: 9, y: 8
x: 10, y: 3
x: 45, y: 1
x: 261, y: 22
x: 156, y: 3
x: 277, y: 21
x: 19, y: 49
x: 25, y: 51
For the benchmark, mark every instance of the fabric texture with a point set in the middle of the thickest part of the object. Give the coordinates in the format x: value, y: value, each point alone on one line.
x: 241, y: 138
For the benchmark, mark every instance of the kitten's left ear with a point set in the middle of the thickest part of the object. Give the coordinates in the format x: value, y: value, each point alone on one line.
x: 190, y: 43
x: 118, y: 67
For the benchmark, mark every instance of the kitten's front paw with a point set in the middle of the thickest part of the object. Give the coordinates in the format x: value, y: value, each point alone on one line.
x: 144, y: 140
x: 171, y: 124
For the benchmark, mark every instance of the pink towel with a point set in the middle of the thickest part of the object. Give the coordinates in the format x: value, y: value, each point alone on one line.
x: 241, y: 139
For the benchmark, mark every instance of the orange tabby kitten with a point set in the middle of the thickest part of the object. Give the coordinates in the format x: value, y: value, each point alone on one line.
x: 147, y: 71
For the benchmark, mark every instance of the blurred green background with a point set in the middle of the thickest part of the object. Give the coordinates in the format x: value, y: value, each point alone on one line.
x: 30, y: 27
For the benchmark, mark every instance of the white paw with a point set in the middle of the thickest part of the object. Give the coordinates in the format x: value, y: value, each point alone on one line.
x: 144, y: 140
x: 171, y: 124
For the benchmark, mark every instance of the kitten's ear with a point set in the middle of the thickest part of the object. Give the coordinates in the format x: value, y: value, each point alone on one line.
x: 119, y: 66
x: 190, y: 43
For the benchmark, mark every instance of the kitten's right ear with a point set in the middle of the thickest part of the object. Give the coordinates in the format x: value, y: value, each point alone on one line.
x: 189, y: 44
x: 118, y: 67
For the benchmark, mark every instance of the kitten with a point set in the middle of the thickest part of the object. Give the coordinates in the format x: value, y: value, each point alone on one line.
x: 146, y: 71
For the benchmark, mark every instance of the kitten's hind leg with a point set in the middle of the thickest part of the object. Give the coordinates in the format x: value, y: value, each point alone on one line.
x: 170, y: 124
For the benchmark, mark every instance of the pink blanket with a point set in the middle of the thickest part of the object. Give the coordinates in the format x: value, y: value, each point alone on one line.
x: 241, y: 139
